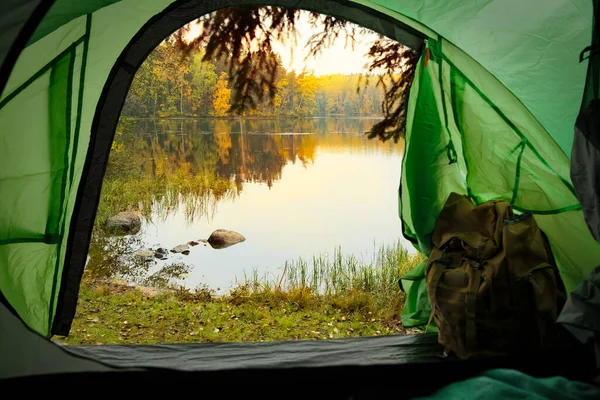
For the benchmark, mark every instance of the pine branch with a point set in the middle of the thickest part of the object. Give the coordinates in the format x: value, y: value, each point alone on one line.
x: 243, y: 36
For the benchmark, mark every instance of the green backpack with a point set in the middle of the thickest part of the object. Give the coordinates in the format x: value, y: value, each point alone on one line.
x: 492, y: 280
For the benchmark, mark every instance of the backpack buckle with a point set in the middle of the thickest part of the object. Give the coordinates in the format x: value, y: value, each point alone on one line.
x: 478, y: 263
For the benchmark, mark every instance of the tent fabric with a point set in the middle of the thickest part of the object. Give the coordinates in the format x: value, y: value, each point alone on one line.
x: 485, y: 119
x: 531, y: 47
x: 580, y: 313
x: 417, y: 308
x: 343, y: 381
x: 585, y: 158
x: 585, y: 164
x: 367, y: 351
x: 16, y: 15
x: 511, y: 384
x: 460, y: 139
x: 24, y: 352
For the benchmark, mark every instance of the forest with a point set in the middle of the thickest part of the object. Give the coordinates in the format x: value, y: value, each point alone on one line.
x: 172, y: 83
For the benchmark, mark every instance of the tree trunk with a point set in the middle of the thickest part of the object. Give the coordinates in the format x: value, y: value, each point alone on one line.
x: 181, y: 101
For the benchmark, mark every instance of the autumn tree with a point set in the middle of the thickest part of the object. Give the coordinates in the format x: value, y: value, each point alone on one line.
x: 244, y: 36
x: 221, y: 97
x: 204, y: 81
x: 171, y: 83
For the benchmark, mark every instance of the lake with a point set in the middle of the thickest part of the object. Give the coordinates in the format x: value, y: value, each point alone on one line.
x: 298, y: 188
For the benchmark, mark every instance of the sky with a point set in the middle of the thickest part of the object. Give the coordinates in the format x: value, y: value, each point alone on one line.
x: 334, y: 60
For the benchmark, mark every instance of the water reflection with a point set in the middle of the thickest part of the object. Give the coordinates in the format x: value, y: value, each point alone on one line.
x: 292, y: 187
x: 249, y: 150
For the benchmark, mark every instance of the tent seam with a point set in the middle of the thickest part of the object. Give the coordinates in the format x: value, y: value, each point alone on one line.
x: 458, y: 124
x: 86, y: 43
x: 62, y: 214
x: 39, y: 73
x: 518, y: 173
x: 512, y: 125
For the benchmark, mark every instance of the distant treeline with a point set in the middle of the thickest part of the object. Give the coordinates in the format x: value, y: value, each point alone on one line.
x: 171, y: 83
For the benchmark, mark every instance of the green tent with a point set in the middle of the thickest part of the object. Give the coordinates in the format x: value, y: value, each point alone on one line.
x: 492, y: 112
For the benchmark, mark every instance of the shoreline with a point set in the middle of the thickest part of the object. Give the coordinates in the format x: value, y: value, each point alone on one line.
x: 111, y: 311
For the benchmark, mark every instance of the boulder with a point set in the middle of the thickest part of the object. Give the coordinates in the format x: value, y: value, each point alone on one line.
x: 222, y: 238
x: 161, y: 253
x: 145, y: 255
x: 124, y: 223
x: 182, y: 248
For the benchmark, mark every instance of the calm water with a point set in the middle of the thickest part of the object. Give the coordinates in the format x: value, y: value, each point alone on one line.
x: 301, y: 188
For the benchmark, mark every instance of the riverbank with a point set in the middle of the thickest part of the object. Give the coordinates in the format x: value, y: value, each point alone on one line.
x: 355, y: 300
x: 111, y: 313
x: 253, y: 117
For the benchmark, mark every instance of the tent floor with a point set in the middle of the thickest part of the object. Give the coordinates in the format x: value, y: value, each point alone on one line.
x: 399, y: 366
x: 365, y: 351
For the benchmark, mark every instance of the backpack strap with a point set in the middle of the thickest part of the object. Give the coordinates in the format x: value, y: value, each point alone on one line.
x: 444, y: 260
x: 471, y: 303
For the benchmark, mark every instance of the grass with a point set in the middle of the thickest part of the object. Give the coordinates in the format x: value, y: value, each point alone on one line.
x: 373, y: 283
x: 328, y: 298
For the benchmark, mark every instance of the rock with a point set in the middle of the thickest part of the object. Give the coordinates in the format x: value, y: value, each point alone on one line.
x: 162, y: 250
x: 222, y: 238
x: 125, y: 223
x: 185, y: 252
x: 160, y: 255
x: 180, y: 249
x: 145, y: 255
x: 193, y: 243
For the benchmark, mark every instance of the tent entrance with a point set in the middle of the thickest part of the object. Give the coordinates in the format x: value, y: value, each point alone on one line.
x: 113, y: 97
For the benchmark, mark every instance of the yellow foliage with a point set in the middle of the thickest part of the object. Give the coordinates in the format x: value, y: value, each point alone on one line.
x: 221, y: 97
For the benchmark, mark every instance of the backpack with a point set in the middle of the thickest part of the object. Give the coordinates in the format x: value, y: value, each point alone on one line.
x: 492, y: 281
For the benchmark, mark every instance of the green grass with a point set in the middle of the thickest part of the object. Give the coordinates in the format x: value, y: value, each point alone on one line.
x: 372, y: 283
x: 109, y: 313
x: 328, y: 298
